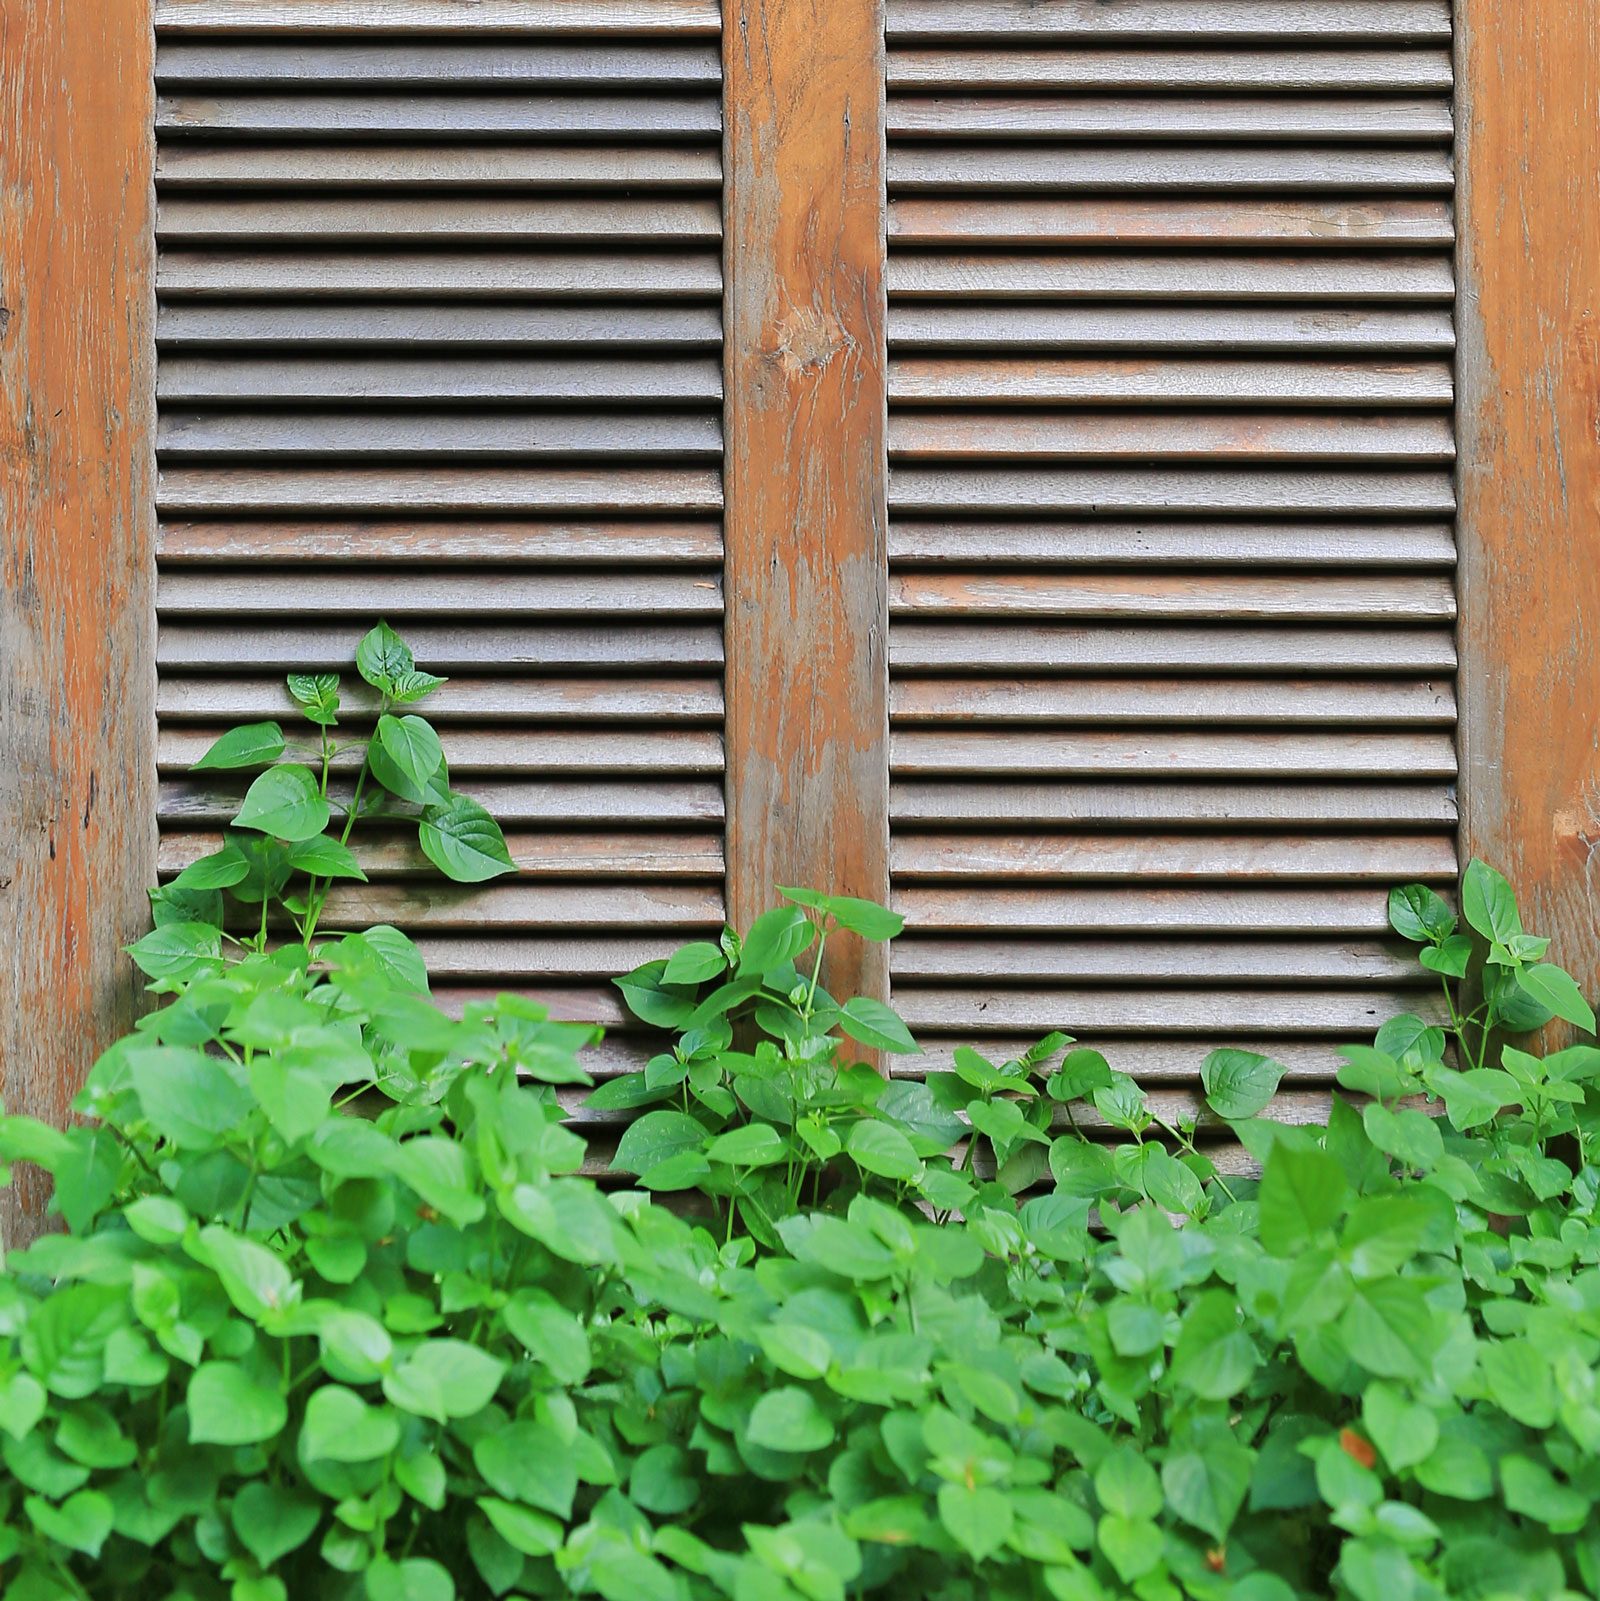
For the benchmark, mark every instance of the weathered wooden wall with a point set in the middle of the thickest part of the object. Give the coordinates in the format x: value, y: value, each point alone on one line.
x: 805, y: 493
x: 77, y: 819
x: 1528, y: 109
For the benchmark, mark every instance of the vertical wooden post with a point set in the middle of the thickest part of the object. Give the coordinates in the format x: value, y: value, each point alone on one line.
x: 1528, y: 129
x: 806, y: 474
x: 77, y: 674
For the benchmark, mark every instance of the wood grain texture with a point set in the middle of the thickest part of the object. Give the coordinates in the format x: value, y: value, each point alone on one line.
x: 807, y: 684
x: 322, y: 17
x: 76, y: 664
x: 1214, y: 21
x: 1530, y: 460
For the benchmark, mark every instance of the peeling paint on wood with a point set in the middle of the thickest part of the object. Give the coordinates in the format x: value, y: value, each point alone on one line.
x: 77, y: 677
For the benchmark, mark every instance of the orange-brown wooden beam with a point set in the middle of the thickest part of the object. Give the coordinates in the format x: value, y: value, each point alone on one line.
x: 77, y: 674
x: 806, y: 475
x: 1528, y: 130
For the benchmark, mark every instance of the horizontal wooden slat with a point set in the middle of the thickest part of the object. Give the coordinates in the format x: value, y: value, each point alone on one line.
x: 1180, y: 330
x: 1168, y: 492
x: 596, y: 329
x: 1059, y: 380
x: 529, y: 274
x: 1198, y: 275
x: 1154, y: 1062
x: 457, y: 380
x: 1062, y: 701
x: 1214, y: 21
x: 196, y: 168
x: 1043, y: 545
x: 510, y: 959
x: 609, y: 905
x: 1154, y: 961
x: 241, y: 646
x: 482, y: 700
x: 1195, y: 597
x: 672, y: 543
x: 1143, y: 804
x: 440, y: 490
x: 359, y: 219
x: 265, y: 592
x: 363, y: 436
x: 1131, y: 67
x: 430, y: 116
x: 1203, y: 223
x: 1017, y: 752
x: 556, y: 17
x: 1240, y: 858
x: 458, y: 65
x: 1271, y: 436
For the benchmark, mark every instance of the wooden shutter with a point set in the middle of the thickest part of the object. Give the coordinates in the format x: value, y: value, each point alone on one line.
x: 1171, y: 494
x: 440, y: 341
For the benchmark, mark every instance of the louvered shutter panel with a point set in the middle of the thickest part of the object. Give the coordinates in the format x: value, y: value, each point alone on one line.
x: 1171, y: 547
x: 440, y: 340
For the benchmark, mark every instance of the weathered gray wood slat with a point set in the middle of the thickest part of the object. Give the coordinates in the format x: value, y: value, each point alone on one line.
x: 1386, y: 803
x: 1367, y: 119
x: 1305, y: 222
x: 268, y: 592
x: 506, y: 959
x: 1134, y: 381
x: 1147, y: 21
x: 195, y: 168
x: 459, y: 380
x: 1159, y: 1063
x: 439, y: 490
x: 619, y: 905
x: 1219, y: 753
x: 455, y: 64
x: 1117, y: 491
x: 594, y: 329
x: 1264, y: 436
x: 1186, y: 701
x: 1199, y: 274
x: 1235, y: 859
x: 1206, y: 546
x: 1209, y: 648
x: 360, y: 436
x: 674, y: 543
x: 533, y: 274
x: 537, y: 17
x: 479, y: 700
x: 360, y: 219
x: 1180, y: 330
x: 1131, y: 67
x: 241, y: 646
x: 1190, y: 597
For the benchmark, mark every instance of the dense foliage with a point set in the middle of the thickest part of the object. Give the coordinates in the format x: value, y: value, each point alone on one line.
x: 337, y: 1313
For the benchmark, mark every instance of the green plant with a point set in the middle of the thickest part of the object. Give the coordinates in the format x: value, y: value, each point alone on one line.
x: 338, y: 1313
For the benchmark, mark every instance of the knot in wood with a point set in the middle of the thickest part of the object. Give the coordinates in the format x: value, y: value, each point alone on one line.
x: 806, y: 340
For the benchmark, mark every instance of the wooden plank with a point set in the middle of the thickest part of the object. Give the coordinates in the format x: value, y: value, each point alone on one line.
x: 1175, y: 221
x: 1530, y: 451
x: 1360, y: 599
x: 994, y: 436
x: 439, y: 490
x: 1214, y: 754
x: 511, y: 959
x: 76, y: 669
x: 1240, y: 701
x: 1177, y: 329
x: 406, y: 275
x: 807, y: 678
x: 595, y: 329
x: 618, y: 905
x: 1206, y: 546
x: 664, y: 543
x: 1133, y: 68
x: 1118, y: 491
x: 584, y: 63
x: 1073, y: 803
x: 1148, y: 21
x: 1198, y: 274
x: 1173, y: 1062
x: 1179, y: 858
x: 228, y: 167
x: 555, y: 17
